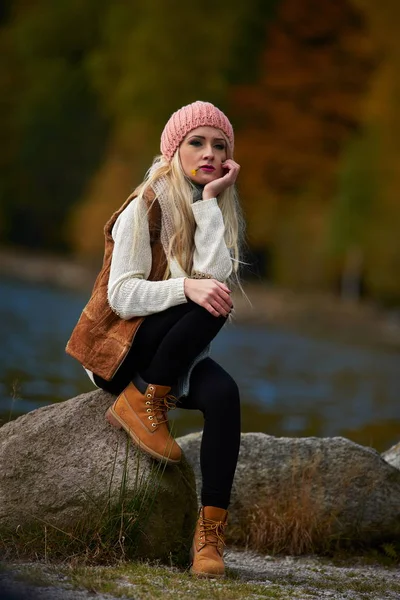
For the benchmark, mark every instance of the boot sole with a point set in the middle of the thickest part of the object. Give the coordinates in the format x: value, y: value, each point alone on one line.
x: 202, y: 575
x: 116, y: 422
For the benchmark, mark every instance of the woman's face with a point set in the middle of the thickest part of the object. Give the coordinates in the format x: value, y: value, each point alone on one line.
x: 202, y: 153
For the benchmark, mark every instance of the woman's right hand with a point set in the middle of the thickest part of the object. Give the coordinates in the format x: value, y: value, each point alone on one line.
x: 211, y: 294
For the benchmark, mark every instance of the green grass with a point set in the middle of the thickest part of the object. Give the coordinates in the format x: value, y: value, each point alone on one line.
x: 145, y: 581
x: 152, y: 581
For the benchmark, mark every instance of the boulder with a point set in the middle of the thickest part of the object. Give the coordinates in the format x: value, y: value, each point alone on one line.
x: 65, y: 467
x: 392, y: 456
x: 311, y: 488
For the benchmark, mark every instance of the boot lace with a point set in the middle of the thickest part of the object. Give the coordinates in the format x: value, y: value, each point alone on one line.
x: 212, y: 532
x: 162, y: 405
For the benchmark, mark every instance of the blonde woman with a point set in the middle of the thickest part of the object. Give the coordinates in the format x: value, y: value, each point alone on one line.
x: 171, y: 258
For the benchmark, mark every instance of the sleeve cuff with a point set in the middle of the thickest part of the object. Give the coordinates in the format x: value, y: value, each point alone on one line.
x: 180, y: 285
x: 203, y: 206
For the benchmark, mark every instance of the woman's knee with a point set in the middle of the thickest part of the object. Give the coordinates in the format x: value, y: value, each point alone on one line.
x: 225, y: 394
x: 204, y: 315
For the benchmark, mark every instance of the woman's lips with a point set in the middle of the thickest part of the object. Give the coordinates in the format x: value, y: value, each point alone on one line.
x: 207, y: 168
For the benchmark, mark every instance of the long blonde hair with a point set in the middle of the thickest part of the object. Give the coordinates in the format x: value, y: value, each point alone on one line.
x: 180, y: 195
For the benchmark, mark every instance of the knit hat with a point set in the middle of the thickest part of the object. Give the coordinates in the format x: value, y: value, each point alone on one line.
x: 197, y: 114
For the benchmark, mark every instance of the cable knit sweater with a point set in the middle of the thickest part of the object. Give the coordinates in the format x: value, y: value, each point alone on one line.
x: 130, y: 294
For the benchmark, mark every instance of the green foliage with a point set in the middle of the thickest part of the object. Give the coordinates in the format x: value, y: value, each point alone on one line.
x: 250, y: 38
x: 52, y: 121
x: 156, y: 56
x: 392, y: 551
x: 83, y: 73
x: 357, y: 190
x: 86, y: 88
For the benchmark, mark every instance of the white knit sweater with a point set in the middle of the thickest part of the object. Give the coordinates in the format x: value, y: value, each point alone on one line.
x: 130, y: 294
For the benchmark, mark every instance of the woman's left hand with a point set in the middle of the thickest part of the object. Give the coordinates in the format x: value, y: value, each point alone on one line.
x: 216, y: 187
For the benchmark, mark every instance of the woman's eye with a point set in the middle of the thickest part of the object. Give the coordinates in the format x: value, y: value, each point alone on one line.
x: 195, y: 143
x: 220, y: 146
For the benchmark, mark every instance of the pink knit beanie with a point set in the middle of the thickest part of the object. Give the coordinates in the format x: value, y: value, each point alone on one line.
x: 197, y: 114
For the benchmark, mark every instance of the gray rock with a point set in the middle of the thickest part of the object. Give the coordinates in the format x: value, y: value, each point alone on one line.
x: 63, y: 464
x: 321, y: 486
x: 392, y: 456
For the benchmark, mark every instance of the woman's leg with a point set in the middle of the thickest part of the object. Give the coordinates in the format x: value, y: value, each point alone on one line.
x: 216, y: 394
x: 165, y: 345
x: 163, y: 349
x: 170, y: 355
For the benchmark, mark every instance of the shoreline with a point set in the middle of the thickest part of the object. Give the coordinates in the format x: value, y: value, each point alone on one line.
x: 309, y: 313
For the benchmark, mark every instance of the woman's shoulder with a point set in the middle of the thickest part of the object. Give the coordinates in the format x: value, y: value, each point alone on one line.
x: 145, y: 197
x: 139, y: 206
x: 148, y: 196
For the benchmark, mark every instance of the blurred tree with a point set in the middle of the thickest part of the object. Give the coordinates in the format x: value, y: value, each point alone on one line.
x: 311, y: 86
x: 357, y: 190
x: 381, y: 114
x: 10, y: 88
x: 154, y: 57
x: 5, y: 11
x: 300, y: 112
x: 50, y: 118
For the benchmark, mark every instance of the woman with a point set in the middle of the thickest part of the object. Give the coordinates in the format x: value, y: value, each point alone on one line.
x: 172, y: 251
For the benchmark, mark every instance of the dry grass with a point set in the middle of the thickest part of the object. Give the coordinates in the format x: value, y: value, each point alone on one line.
x: 299, y: 519
x: 288, y: 527
x: 292, y: 522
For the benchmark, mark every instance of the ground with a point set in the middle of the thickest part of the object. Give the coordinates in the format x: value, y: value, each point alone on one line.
x: 249, y: 576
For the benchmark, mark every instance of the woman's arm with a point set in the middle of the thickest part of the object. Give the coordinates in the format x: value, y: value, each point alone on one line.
x: 129, y: 292
x: 211, y: 256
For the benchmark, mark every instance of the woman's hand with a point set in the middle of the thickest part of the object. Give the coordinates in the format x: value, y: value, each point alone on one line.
x: 214, y: 188
x: 211, y: 294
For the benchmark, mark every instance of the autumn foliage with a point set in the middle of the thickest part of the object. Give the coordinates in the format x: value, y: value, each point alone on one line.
x: 310, y: 86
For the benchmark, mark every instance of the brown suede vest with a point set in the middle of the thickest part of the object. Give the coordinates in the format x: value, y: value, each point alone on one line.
x: 101, y: 339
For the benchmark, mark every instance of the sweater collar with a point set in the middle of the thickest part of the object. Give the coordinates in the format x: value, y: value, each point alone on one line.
x: 197, y: 192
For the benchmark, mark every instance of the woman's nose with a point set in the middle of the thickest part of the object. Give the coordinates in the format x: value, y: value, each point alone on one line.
x: 208, y: 152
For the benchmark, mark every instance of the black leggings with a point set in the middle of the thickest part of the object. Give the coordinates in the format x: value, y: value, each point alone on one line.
x: 164, y: 347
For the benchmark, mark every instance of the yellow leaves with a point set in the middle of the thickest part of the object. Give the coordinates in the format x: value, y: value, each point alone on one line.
x: 107, y: 190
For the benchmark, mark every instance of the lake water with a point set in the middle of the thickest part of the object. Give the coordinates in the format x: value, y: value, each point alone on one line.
x: 291, y: 384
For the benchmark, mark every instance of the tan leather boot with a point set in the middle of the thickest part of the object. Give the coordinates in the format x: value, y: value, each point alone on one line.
x: 144, y: 418
x: 208, y: 542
